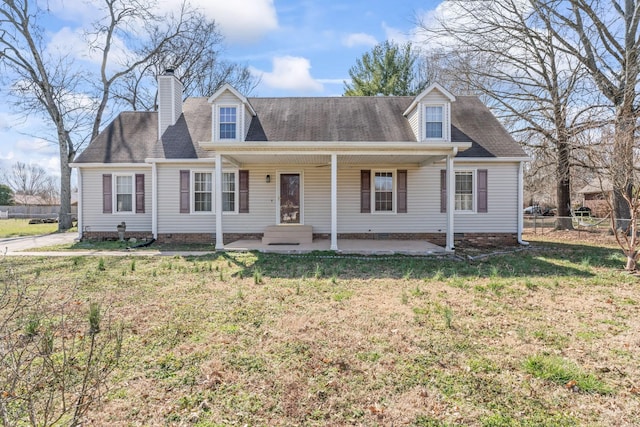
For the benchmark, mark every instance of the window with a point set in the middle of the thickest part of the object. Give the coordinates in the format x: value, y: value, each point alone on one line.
x: 464, y: 191
x: 434, y: 120
x: 228, y: 122
x: 383, y: 189
x: 124, y: 193
x: 202, y: 191
x: 228, y: 192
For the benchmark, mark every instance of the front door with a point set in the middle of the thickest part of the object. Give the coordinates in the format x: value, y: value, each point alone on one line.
x: 290, y: 198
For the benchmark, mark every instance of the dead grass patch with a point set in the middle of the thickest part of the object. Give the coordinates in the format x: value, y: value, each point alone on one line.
x: 354, y: 341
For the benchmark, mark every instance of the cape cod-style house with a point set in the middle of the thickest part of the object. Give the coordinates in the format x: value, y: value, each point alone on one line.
x: 435, y: 167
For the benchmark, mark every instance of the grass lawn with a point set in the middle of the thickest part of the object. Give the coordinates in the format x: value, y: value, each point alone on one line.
x: 543, y: 337
x: 20, y: 227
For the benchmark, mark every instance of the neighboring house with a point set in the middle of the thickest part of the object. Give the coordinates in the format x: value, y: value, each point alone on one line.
x: 595, y: 195
x: 434, y: 167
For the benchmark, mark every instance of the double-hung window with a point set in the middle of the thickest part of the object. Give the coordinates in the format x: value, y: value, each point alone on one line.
x: 124, y: 193
x: 464, y: 191
x: 229, y: 192
x: 383, y: 189
x: 202, y: 191
x: 434, y: 122
x: 228, y: 122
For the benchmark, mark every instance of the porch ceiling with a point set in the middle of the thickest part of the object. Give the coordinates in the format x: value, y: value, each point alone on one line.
x: 244, y: 159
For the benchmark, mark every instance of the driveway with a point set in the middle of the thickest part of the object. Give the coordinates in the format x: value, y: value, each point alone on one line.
x: 17, y: 244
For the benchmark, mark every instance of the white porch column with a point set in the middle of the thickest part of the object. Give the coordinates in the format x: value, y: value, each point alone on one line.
x: 154, y: 200
x: 218, y: 202
x: 451, y: 198
x: 334, y: 202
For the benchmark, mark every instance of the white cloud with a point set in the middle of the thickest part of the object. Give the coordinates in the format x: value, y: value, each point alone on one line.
x: 8, y: 156
x: 290, y: 73
x: 241, y: 22
x: 36, y: 145
x: 359, y: 39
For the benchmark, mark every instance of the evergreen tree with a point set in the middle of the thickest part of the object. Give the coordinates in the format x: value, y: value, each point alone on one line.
x: 388, y: 69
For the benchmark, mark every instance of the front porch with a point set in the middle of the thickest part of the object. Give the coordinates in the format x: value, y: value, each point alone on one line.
x: 346, y: 246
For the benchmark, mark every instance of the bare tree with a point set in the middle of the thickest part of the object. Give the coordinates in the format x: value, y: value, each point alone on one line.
x: 196, y: 57
x: 603, y: 36
x: 73, y: 99
x: 27, y: 180
x: 504, y: 51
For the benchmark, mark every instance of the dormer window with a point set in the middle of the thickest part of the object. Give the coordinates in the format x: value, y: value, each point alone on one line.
x: 228, y: 122
x: 434, y: 122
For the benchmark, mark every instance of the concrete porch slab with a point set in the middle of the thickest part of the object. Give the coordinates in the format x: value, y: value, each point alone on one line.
x: 345, y: 246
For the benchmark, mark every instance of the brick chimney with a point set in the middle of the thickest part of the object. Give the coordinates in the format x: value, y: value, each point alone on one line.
x: 169, y: 100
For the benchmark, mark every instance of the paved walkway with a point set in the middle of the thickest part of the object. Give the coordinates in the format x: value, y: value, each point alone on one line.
x: 17, y: 247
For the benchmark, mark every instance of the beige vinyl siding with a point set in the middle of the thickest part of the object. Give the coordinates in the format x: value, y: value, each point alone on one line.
x: 247, y: 122
x: 414, y: 121
x: 228, y: 99
x: 420, y: 216
x: 170, y: 220
x: 165, y: 109
x: 502, y: 215
x: 423, y: 202
x: 434, y: 97
x: 92, y: 216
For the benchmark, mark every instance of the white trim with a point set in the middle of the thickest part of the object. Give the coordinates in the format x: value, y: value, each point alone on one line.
x: 235, y: 93
x: 301, y: 191
x: 154, y: 201
x: 492, y: 159
x: 110, y: 165
x: 431, y: 88
x: 334, y: 202
x: 451, y: 183
x: 445, y: 122
x: 236, y: 193
x: 394, y: 192
x: 474, y: 190
x: 217, y: 122
x: 218, y: 203
x: 192, y: 192
x: 329, y: 147
x: 114, y: 193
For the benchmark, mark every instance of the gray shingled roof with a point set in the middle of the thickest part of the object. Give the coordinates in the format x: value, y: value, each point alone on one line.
x: 131, y: 137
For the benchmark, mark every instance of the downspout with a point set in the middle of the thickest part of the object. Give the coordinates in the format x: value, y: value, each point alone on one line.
x: 520, y: 203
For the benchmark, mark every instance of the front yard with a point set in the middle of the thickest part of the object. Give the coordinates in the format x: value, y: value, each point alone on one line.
x: 542, y: 337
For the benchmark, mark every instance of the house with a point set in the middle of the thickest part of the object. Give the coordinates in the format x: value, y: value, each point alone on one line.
x: 597, y: 196
x: 434, y: 167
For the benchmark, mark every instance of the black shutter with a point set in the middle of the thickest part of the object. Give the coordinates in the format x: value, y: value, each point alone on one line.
x: 107, y: 199
x: 184, y: 191
x: 365, y: 191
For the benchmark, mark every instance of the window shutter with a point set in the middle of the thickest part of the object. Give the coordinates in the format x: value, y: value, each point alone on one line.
x: 139, y: 193
x: 365, y: 191
x: 443, y: 190
x: 402, y: 191
x: 482, y: 191
x: 243, y: 183
x: 184, y: 191
x: 107, y: 199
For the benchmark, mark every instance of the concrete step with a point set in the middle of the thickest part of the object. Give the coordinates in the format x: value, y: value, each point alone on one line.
x: 287, y: 234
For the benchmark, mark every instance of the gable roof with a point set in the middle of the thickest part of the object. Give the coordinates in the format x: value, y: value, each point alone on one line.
x: 132, y: 136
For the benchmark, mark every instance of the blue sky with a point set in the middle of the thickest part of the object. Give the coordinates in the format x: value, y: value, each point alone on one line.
x: 297, y: 48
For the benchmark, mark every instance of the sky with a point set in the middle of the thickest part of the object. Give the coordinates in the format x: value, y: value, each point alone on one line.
x: 295, y: 47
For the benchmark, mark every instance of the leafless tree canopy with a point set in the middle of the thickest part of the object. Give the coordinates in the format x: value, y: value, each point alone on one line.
x: 132, y: 42
x: 26, y: 180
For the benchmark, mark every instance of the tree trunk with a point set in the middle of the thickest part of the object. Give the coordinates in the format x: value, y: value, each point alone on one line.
x: 563, y: 186
x: 622, y: 166
x: 64, y: 216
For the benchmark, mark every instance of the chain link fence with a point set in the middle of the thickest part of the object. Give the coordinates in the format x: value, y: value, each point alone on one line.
x: 539, y: 224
